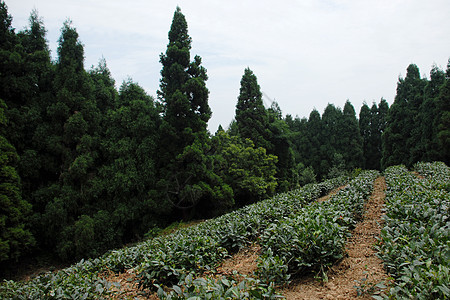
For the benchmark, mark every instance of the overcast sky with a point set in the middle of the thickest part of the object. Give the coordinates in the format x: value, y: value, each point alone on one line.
x: 305, y: 53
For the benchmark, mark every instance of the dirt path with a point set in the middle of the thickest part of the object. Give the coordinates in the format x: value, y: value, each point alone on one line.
x: 360, y: 263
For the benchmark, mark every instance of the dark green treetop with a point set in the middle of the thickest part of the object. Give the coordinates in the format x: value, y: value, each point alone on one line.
x: 15, y: 238
x: 350, y: 141
x: 183, y: 131
x: 251, y: 116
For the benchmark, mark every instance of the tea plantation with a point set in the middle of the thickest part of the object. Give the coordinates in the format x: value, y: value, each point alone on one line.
x: 298, y: 236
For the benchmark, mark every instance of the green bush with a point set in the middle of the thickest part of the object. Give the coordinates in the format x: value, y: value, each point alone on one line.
x: 415, y: 240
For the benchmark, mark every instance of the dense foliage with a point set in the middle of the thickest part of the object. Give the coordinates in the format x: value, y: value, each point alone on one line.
x: 87, y: 167
x: 313, y: 237
x: 414, y: 242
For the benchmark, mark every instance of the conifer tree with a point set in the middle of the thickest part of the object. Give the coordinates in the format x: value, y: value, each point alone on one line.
x: 280, y: 140
x: 365, y: 122
x: 315, y: 141
x: 183, y: 91
x: 398, y: 139
x: 15, y: 238
x: 425, y: 146
x: 251, y: 116
x: 350, y: 141
x: 443, y: 122
x: 31, y: 115
x: 184, y: 140
x: 73, y: 141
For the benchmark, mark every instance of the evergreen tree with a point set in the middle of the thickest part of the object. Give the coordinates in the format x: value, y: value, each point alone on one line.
x: 330, y: 135
x: 73, y: 141
x: 365, y: 124
x: 372, y: 123
x: 251, y: 116
x: 30, y: 117
x: 349, y: 138
x: 15, y: 238
x: 184, y: 137
x: 183, y: 91
x: 105, y: 92
x: 315, y: 140
x: 124, y: 187
x: 9, y: 58
x: 300, y: 144
x: 427, y: 119
x: 378, y: 126
x: 443, y: 121
x: 280, y: 140
x: 398, y: 138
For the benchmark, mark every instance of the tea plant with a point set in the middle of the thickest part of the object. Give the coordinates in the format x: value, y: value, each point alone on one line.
x: 219, y: 288
x: 199, y: 248
x: 415, y: 241
x: 313, y: 238
x: 76, y: 282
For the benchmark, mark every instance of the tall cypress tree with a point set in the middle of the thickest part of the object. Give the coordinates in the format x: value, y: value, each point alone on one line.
x: 398, y: 138
x: 251, y: 116
x: 280, y: 140
x: 329, y: 147
x: 38, y: 75
x: 314, y: 132
x: 365, y: 121
x: 443, y: 122
x: 185, y: 109
x: 15, y: 238
x: 350, y: 141
x: 426, y: 146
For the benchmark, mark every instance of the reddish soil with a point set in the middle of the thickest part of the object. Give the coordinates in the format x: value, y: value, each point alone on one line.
x: 125, y: 286
x: 330, y: 194
x: 244, y: 262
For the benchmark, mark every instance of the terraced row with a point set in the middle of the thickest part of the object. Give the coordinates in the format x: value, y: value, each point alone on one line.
x: 415, y: 241
x: 302, y: 239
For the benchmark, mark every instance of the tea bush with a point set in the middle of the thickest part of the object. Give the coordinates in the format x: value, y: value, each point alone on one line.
x: 415, y: 239
x: 313, y: 237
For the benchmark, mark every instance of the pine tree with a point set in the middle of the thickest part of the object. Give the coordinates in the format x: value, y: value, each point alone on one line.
x: 251, y: 116
x: 38, y: 75
x: 184, y: 138
x: 280, y: 140
x: 365, y: 121
x: 330, y: 135
x: 443, y: 122
x: 15, y: 238
x: 398, y: 138
x: 315, y: 130
x: 350, y: 141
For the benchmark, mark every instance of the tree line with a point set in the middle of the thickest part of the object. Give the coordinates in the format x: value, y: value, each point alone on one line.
x: 86, y: 167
